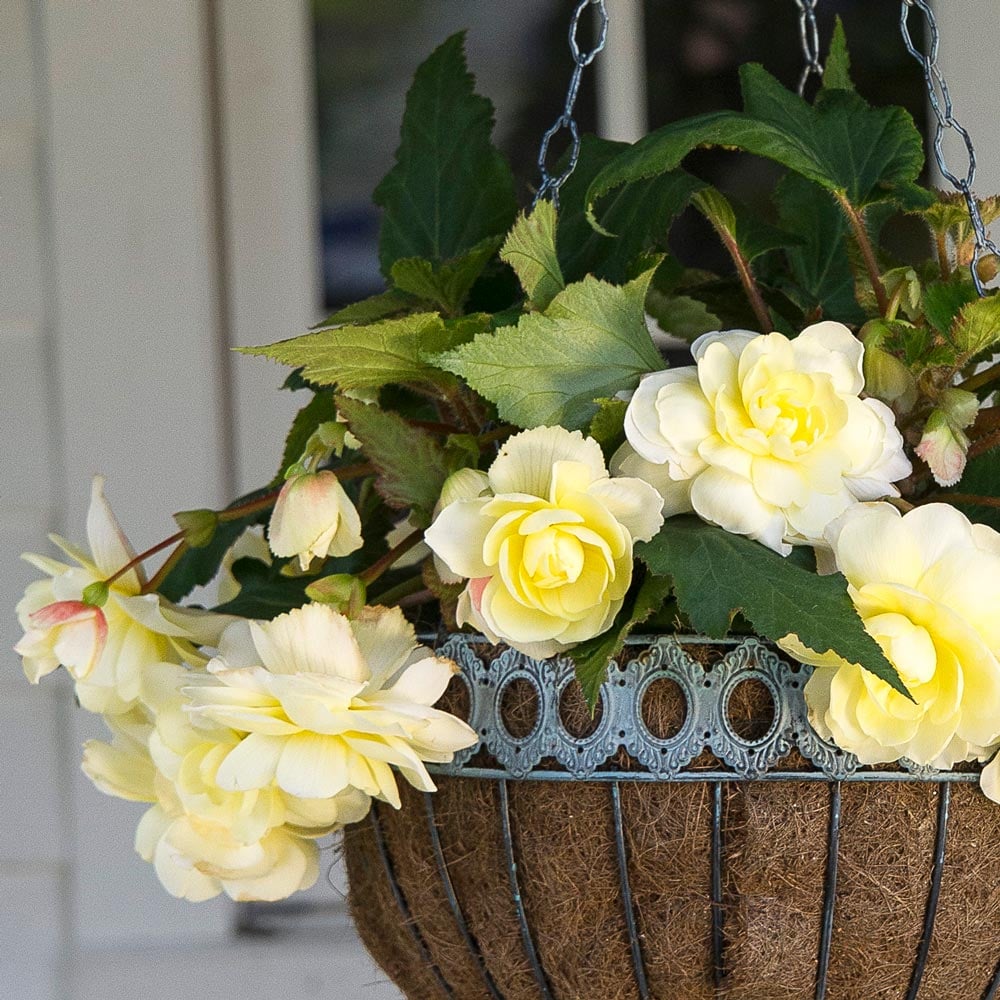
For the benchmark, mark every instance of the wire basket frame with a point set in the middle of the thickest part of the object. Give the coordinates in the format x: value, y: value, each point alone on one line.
x: 549, y: 752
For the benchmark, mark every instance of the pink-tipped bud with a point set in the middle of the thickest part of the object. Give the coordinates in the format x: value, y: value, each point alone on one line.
x: 71, y: 634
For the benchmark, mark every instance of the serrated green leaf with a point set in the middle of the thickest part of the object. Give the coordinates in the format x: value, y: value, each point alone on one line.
x: 376, y: 307
x: 837, y: 68
x: 449, y: 188
x: 820, y: 264
x: 944, y: 300
x: 639, y: 214
x: 681, y: 315
x: 592, y: 658
x: 977, y: 327
x: 751, y: 235
x: 591, y: 342
x: 367, y: 357
x: 446, y: 284
x: 411, y: 465
x: 608, y: 425
x: 717, y: 574
x: 530, y: 249
x: 840, y: 143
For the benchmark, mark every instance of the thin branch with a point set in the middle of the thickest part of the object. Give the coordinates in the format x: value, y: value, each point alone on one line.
x: 857, y: 224
x: 748, y: 281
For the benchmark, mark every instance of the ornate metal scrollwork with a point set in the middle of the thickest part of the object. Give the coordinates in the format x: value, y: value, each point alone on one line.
x: 549, y: 751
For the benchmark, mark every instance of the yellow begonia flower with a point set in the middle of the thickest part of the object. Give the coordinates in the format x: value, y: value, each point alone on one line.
x: 927, y: 586
x: 765, y: 436
x: 314, y: 518
x: 106, y: 653
x: 329, y: 704
x: 548, y: 550
x: 204, y: 839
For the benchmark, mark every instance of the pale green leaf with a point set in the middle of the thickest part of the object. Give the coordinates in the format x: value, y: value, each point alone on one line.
x: 977, y: 327
x: 681, y: 315
x: 591, y: 342
x: 444, y: 284
x: 530, y: 249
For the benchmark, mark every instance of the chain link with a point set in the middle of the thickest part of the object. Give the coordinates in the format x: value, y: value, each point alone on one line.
x: 940, y: 100
x: 582, y: 58
x: 809, y: 32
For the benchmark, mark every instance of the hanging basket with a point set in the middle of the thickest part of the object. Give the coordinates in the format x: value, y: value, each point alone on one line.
x: 694, y: 840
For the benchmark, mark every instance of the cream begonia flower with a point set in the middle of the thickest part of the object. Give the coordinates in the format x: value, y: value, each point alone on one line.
x: 548, y: 551
x: 927, y: 585
x: 204, y: 839
x: 105, y: 653
x: 765, y: 436
x: 330, y: 704
x: 314, y: 518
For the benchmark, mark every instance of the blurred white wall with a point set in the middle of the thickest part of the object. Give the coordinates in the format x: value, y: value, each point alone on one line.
x: 157, y: 207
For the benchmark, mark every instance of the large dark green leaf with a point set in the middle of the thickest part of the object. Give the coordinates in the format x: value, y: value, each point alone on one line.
x: 981, y: 479
x: 639, y: 214
x: 840, y: 143
x: 717, y: 574
x: 450, y: 188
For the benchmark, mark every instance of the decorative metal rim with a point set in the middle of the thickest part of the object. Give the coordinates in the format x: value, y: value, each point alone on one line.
x: 549, y: 752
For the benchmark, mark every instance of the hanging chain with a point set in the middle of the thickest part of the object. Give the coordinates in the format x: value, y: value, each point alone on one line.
x: 582, y: 58
x: 809, y: 32
x: 940, y: 99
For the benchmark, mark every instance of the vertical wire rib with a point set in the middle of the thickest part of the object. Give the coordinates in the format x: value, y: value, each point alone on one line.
x: 993, y: 992
x: 456, y: 909
x: 404, y: 907
x: 944, y: 798
x: 718, y: 971
x: 633, y: 931
x: 515, y: 888
x: 829, y: 892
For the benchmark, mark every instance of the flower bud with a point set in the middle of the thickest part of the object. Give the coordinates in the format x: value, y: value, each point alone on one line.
x: 314, y: 518
x: 944, y: 448
x: 198, y: 526
x: 886, y: 377
x: 342, y: 592
x: 960, y: 407
x: 67, y: 633
x: 988, y: 267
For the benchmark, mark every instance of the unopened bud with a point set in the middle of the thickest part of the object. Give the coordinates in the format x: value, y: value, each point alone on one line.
x: 96, y: 594
x: 198, y: 526
x: 987, y: 267
x: 341, y: 591
x: 886, y: 377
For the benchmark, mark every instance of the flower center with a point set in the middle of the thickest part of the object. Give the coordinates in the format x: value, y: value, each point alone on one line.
x: 553, y: 558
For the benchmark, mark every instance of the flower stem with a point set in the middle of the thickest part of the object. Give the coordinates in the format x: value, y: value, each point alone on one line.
x: 164, y: 571
x: 412, y: 600
x: 143, y: 556
x: 942, y: 252
x: 984, y: 377
x: 857, y: 224
x: 963, y: 499
x: 747, y: 279
x: 370, y: 575
x: 394, y: 594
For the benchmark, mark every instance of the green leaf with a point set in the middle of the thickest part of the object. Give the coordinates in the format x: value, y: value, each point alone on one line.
x: 264, y: 592
x: 530, y: 249
x: 592, y: 658
x: 608, y: 426
x: 751, y: 235
x: 944, y: 300
x: 381, y: 306
x: 639, y: 214
x: 837, y: 71
x: 411, y: 465
x: 840, y: 143
x: 319, y: 410
x: 368, y: 357
x: 449, y: 188
x: 681, y: 315
x: 717, y: 574
x: 977, y: 327
x: 591, y: 342
x: 820, y: 263
x: 447, y: 284
x: 982, y: 479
